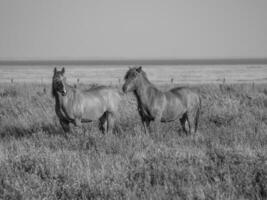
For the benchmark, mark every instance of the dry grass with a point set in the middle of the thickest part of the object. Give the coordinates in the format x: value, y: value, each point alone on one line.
x: 226, y: 160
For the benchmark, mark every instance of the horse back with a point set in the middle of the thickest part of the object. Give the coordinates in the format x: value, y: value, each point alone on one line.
x: 109, y: 96
x: 187, y: 96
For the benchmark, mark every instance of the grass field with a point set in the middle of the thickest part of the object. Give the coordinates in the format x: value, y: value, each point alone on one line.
x: 225, y: 160
x: 157, y: 74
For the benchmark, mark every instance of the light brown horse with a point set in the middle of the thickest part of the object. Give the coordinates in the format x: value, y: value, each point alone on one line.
x: 155, y: 105
x: 77, y: 106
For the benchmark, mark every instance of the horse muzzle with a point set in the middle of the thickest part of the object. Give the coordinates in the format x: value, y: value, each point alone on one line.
x: 64, y: 93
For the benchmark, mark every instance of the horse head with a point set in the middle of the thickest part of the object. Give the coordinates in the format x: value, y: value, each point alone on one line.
x: 131, y: 78
x: 59, y: 82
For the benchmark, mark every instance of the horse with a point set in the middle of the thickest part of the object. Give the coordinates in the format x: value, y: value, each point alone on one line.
x: 76, y: 106
x: 155, y: 105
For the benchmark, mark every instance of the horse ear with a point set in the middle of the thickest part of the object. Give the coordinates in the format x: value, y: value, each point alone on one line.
x: 139, y: 69
x: 55, y: 70
x: 63, y: 70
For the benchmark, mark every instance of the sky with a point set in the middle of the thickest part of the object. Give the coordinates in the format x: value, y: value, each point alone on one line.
x: 133, y: 29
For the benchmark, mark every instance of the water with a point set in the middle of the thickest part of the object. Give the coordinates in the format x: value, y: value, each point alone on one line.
x: 157, y: 74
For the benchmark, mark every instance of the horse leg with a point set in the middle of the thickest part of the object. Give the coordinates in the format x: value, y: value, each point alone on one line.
x: 66, y: 126
x: 156, y: 124
x: 183, y: 121
x: 197, y: 117
x: 117, y: 126
x: 77, y: 122
x: 191, y: 121
x: 113, y: 125
x: 102, y: 126
x: 146, y: 124
x: 103, y: 123
x: 110, y: 122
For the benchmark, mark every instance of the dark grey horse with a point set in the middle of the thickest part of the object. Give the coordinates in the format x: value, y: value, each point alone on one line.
x: 155, y: 105
x: 77, y: 106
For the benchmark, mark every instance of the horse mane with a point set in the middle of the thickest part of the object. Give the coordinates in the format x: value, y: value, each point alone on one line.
x: 127, y: 73
x: 53, y: 91
x: 144, y: 75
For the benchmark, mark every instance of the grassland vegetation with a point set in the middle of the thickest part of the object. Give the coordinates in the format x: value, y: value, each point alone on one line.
x: 226, y: 159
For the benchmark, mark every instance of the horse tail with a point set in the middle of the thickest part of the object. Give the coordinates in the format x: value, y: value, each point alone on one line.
x: 117, y: 124
x: 197, y: 115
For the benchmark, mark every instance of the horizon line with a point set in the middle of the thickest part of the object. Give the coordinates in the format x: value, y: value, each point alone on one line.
x: 230, y: 61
